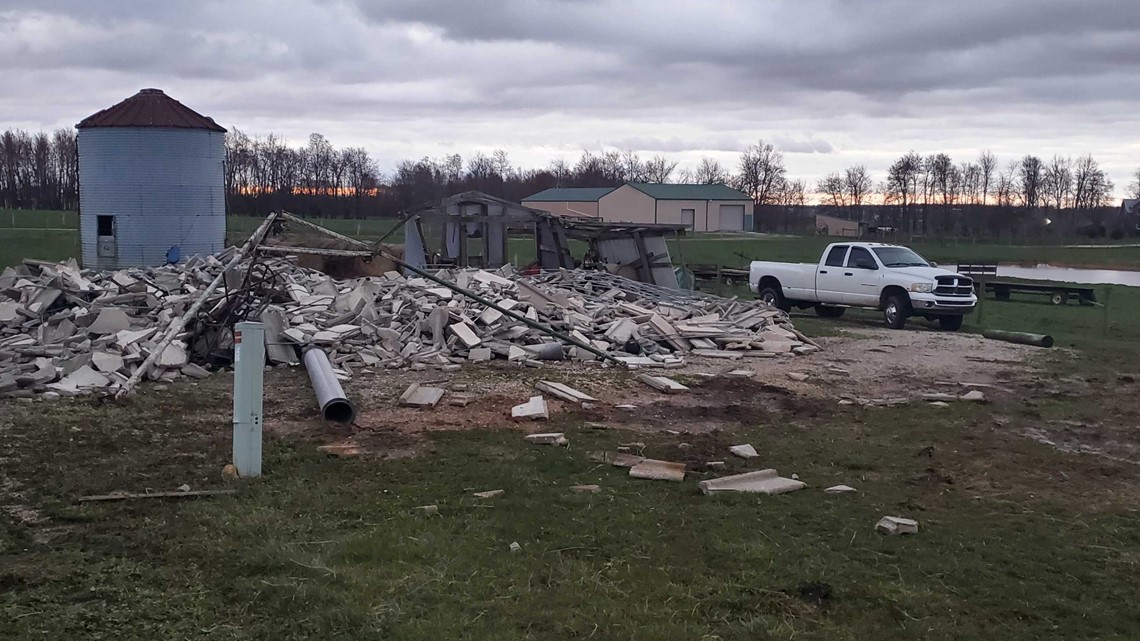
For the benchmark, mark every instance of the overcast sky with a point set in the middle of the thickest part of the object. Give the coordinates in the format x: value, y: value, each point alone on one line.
x: 831, y: 82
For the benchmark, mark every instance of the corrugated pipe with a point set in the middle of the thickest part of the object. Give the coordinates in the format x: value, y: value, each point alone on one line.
x: 335, y: 406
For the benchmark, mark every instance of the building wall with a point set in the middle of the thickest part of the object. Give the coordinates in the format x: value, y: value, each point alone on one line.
x: 837, y: 226
x: 628, y: 205
x: 164, y: 187
x: 589, y: 209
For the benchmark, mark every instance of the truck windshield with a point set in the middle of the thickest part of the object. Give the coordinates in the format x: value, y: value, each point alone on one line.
x: 899, y: 257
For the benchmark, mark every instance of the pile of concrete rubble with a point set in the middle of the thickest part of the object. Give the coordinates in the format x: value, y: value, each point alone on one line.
x: 66, y: 331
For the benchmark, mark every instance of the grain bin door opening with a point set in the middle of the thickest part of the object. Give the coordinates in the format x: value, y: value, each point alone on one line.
x: 105, y: 231
x: 732, y: 218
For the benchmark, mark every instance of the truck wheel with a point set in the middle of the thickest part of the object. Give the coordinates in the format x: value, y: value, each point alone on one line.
x: 774, y: 297
x: 895, y: 311
x: 829, y: 311
x: 950, y: 323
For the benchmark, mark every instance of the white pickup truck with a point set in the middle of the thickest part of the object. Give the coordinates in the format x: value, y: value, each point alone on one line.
x: 889, y: 278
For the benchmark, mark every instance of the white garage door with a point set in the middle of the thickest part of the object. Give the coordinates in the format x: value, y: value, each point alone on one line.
x: 732, y: 217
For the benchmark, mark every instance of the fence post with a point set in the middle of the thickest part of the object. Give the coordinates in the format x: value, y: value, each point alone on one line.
x: 1107, y: 309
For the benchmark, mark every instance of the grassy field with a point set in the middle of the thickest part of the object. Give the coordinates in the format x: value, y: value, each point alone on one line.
x: 1019, y: 541
x: 50, y: 235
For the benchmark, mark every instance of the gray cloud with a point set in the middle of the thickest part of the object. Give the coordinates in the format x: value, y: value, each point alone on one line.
x: 827, y: 81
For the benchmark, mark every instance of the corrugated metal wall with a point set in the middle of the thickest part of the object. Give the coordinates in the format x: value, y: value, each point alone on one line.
x: 164, y: 187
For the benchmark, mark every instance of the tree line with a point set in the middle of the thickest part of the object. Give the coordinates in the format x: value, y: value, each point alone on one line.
x: 39, y: 170
x: 262, y: 173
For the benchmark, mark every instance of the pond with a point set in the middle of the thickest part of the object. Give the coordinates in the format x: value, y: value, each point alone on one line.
x: 1071, y: 275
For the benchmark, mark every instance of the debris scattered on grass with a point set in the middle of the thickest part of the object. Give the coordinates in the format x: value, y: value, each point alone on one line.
x: 744, y: 451
x: 489, y: 494
x: 345, y: 450
x: 762, y: 482
x: 547, y: 438
x: 658, y: 470
x: 515, y: 547
x: 896, y: 525
x: 421, y: 396
x: 586, y: 488
x: 840, y: 489
x: 798, y: 376
x: 429, y: 510
x: 564, y: 392
x: 662, y: 384
x: 975, y: 396
x: 176, y: 494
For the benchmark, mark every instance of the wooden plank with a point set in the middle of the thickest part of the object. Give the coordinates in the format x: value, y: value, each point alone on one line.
x: 129, y: 496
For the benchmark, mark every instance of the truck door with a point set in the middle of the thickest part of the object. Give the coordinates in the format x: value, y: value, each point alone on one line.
x: 829, y: 276
x: 861, y: 278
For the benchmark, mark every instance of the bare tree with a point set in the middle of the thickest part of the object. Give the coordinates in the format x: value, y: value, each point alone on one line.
x: 857, y: 184
x: 903, y: 179
x: 941, y: 169
x: 834, y: 190
x: 1134, y: 186
x: 987, y: 164
x: 1091, y: 186
x: 1029, y: 175
x: 760, y: 171
x: 1057, y: 182
x: 658, y: 169
x: 710, y: 172
x: 1006, y: 185
x: 560, y: 171
x: 793, y: 192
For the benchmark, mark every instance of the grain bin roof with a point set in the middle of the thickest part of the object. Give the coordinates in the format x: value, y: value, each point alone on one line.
x: 150, y: 108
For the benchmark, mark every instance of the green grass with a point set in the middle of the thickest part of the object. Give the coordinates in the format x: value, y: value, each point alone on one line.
x: 330, y: 548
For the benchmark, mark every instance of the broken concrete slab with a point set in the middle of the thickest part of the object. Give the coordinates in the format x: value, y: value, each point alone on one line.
x: 464, y: 332
x: 417, y: 395
x: 939, y: 396
x: 547, y: 438
x: 106, y: 361
x: 111, y: 320
x: 761, y: 482
x: 479, y: 354
x: 534, y: 409
x: 564, y: 392
x: 798, y: 376
x: 173, y: 356
x: 975, y: 396
x: 840, y: 489
x: 662, y: 383
x: 489, y: 494
x: 658, y: 470
x: 587, y: 489
x: 896, y: 525
x: 744, y: 451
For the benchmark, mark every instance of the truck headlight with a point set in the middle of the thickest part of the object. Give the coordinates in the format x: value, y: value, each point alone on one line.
x: 922, y: 288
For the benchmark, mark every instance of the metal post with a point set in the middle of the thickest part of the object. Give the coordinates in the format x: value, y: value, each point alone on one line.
x: 249, y: 370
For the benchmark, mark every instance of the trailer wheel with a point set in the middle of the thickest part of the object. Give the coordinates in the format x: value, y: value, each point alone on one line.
x: 1060, y: 298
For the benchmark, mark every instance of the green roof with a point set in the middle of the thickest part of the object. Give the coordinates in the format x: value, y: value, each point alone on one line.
x: 569, y: 195
x: 668, y: 191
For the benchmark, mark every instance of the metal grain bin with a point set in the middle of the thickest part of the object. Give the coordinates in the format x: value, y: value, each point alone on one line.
x: 151, y: 183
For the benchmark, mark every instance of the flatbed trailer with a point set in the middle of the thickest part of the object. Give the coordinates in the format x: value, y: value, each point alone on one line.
x: 986, y: 282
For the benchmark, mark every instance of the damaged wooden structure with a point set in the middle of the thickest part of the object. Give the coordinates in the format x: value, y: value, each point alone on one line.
x: 472, y: 229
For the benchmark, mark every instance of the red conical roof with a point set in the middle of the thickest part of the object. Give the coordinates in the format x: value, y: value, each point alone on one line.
x: 150, y: 108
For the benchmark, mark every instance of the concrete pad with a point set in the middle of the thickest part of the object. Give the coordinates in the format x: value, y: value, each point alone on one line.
x: 744, y: 451
x: 896, y: 525
x: 761, y: 482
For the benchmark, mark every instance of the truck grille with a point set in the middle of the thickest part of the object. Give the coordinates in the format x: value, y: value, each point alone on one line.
x: 954, y: 286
